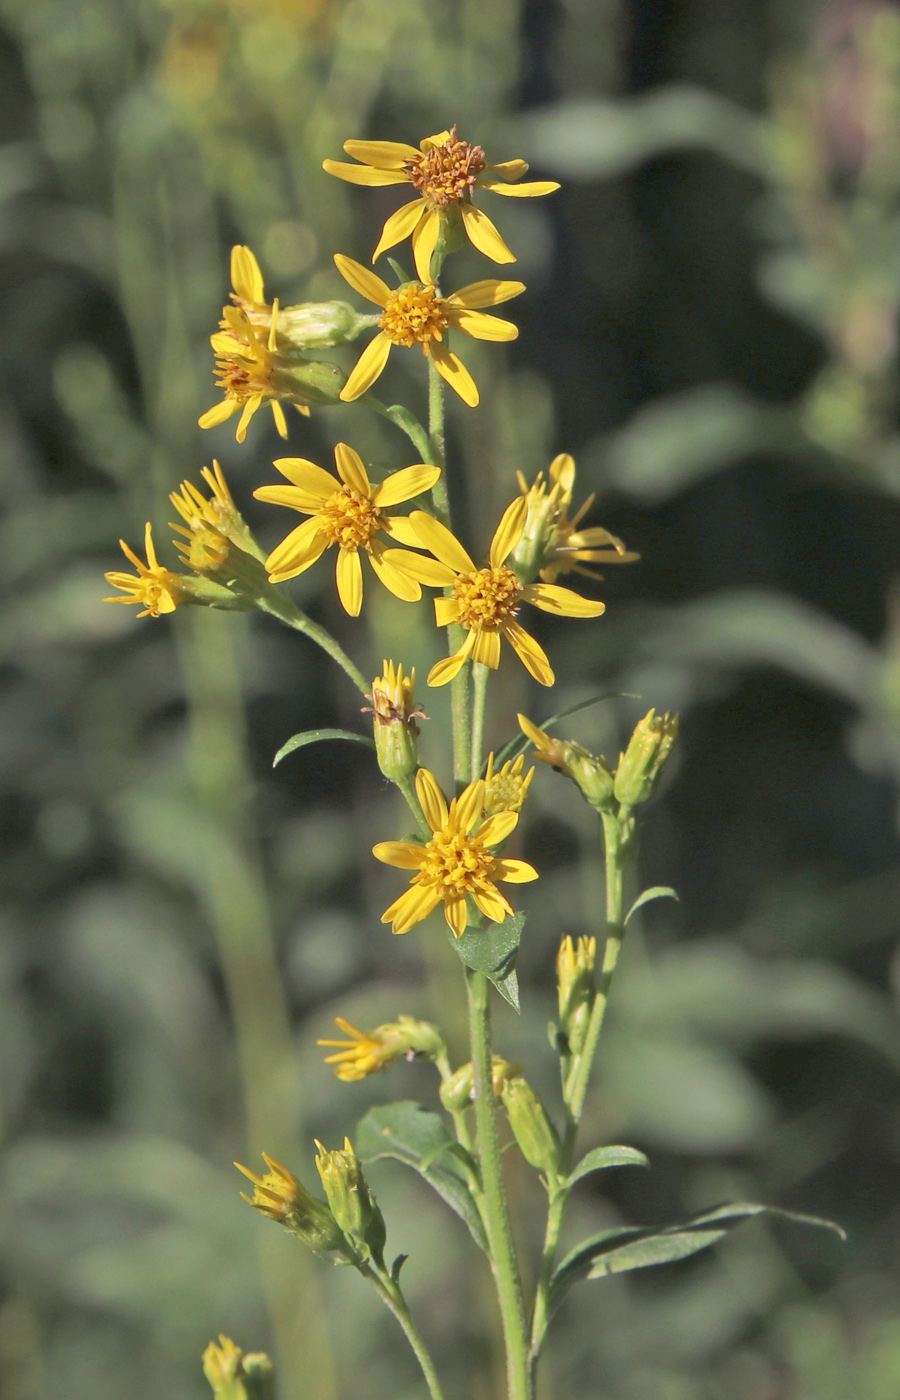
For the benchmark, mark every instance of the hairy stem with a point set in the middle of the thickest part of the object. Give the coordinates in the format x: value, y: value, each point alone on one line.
x: 278, y: 606
x: 404, y: 420
x: 480, y: 677
x: 409, y: 792
x: 391, y: 1295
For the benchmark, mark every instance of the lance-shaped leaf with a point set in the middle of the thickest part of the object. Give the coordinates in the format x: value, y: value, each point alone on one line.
x: 602, y: 1157
x: 313, y: 736
x: 411, y: 1134
x: 493, y: 950
x: 657, y: 892
x: 624, y: 1248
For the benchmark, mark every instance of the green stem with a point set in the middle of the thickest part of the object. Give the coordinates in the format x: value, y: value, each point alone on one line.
x: 480, y: 677
x: 495, y: 1206
x: 278, y: 606
x: 404, y: 420
x: 390, y: 1293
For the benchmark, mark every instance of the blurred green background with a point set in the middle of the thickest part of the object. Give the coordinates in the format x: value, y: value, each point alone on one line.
x: 710, y: 328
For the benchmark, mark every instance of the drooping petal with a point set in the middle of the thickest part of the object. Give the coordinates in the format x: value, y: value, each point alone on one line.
x: 395, y: 579
x: 456, y: 913
x: 451, y: 368
x: 443, y: 545
x: 368, y: 367
x: 400, y: 528
x: 468, y: 807
x: 297, y: 552
x: 481, y: 327
x: 490, y: 292
x: 405, y: 855
x: 246, y: 277
x: 310, y: 478
x: 218, y: 413
x: 424, y: 241
x: 250, y: 408
x: 290, y: 496
x: 484, y: 236
x: 384, y: 155
x: 350, y: 581
x: 351, y: 470
x: 363, y: 174
x: 399, y: 226
x: 492, y: 904
x: 515, y: 872
x: 362, y: 280
x: 487, y: 648
x: 530, y: 653
x: 533, y: 188
x: 596, y: 535
x: 447, y: 611
x: 280, y: 420
x: 549, y: 597
x: 509, y: 531
x: 496, y: 829
x: 414, y: 905
x: 444, y: 671
x: 507, y: 170
x: 405, y: 484
x: 419, y: 566
x: 431, y: 799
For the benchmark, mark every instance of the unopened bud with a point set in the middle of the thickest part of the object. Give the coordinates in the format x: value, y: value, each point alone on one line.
x: 588, y: 772
x: 236, y: 1376
x: 641, y: 764
x: 282, y: 1197
x: 317, y: 325
x: 458, y: 1091
x: 575, y: 970
x: 394, y: 716
x: 352, y: 1204
x: 308, y: 382
x: 532, y: 1129
x: 367, y: 1052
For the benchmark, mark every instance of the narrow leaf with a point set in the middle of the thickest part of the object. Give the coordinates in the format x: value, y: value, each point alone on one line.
x: 313, y: 736
x: 603, y: 1157
x: 657, y: 892
x: 411, y: 1134
x: 493, y: 950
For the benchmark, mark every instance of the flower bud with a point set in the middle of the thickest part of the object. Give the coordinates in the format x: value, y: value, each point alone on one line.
x: 641, y: 764
x: 589, y: 773
x: 352, y: 1204
x: 396, y: 732
x: 318, y: 325
x: 366, y: 1052
x: 575, y: 970
x: 282, y: 1197
x: 235, y: 1376
x: 308, y: 382
x: 458, y: 1091
x: 532, y: 1129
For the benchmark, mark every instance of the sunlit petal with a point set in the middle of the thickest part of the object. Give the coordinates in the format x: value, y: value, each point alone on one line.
x: 549, y: 597
x: 411, y: 908
x: 431, y: 800
x: 350, y: 468
x: 447, y: 611
x: 316, y: 481
x: 444, y: 671
x: 405, y: 484
x: 280, y: 420
x: 529, y: 652
x: 451, y: 368
x: 396, y: 580
x: 529, y: 191
x: 363, y: 174
x: 443, y: 545
x: 515, y: 872
x: 424, y: 240
x: 405, y: 855
x: 487, y: 648
x: 457, y: 914
x: 509, y: 531
x: 490, y: 292
x: 250, y: 408
x: 368, y: 367
x: 218, y: 413
x: 484, y: 236
x: 492, y: 904
x: 290, y: 496
x: 362, y: 280
x: 246, y: 277
x: 496, y: 829
x: 481, y: 327
x: 468, y: 807
x: 297, y: 552
x: 507, y: 170
x: 399, y: 226
x: 384, y: 155
x: 420, y: 567
x: 350, y: 581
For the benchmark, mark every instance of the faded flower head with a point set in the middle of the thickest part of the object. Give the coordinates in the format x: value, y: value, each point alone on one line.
x: 155, y: 588
x: 367, y: 1052
x: 551, y: 542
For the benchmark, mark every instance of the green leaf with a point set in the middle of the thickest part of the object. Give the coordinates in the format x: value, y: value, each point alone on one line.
x: 657, y: 892
x: 413, y: 1135
x: 313, y: 736
x: 493, y: 951
x: 623, y: 1249
x: 602, y: 1157
x: 520, y: 743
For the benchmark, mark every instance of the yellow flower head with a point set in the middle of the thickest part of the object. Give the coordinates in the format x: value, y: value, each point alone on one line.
x: 156, y: 588
x: 394, y: 696
x: 245, y: 371
x: 506, y: 790
x: 367, y: 1052
x: 445, y: 172
x: 415, y: 314
x: 348, y: 513
x: 211, y: 526
x: 457, y: 862
x: 551, y: 542
x: 485, y: 602
x: 278, y: 1194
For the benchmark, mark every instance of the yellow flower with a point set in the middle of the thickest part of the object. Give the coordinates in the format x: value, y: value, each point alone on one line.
x: 506, y: 790
x: 348, y: 513
x: 367, y: 1052
x: 156, y: 588
x: 446, y: 172
x: 244, y: 369
x: 551, y: 543
x: 486, y: 601
x: 414, y: 314
x: 456, y: 862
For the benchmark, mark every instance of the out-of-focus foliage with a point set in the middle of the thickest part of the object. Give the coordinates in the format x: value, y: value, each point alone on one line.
x: 710, y: 329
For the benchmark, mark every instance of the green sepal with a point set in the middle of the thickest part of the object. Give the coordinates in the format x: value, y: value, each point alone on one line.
x: 313, y: 736
x: 493, y: 951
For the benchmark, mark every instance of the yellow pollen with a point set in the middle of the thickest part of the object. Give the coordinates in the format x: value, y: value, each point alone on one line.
x: 350, y: 519
x: 487, y: 597
x: 447, y: 174
x: 414, y: 315
x: 452, y: 861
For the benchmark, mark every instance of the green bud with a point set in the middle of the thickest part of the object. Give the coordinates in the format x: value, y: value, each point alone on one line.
x: 352, y: 1204
x: 456, y: 1092
x: 641, y: 764
x: 234, y: 1376
x: 532, y: 1129
x: 282, y: 1197
x: 317, y: 325
x: 396, y: 732
x: 306, y: 382
x: 575, y: 970
x: 589, y: 773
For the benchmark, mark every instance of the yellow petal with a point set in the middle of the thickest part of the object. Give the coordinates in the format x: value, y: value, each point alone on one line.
x: 492, y: 904
x: 368, y: 367
x: 530, y: 653
x: 297, y: 551
x: 395, y: 579
x: 497, y: 829
x: 482, y: 327
x: 447, y: 611
x: 529, y: 191
x: 549, y: 597
x: 594, y: 535
x: 405, y: 484
x: 350, y: 581
x: 487, y: 648
x: 401, y: 529
x: 509, y: 531
x: 431, y: 800
x: 363, y: 174
x: 302, y: 408
x: 424, y: 240
x: 250, y: 408
x: 430, y: 142
x: 405, y: 855
x: 384, y: 155
x: 290, y: 496
x: 444, y: 671
x: 457, y: 914
x: 484, y: 236
x: 420, y: 567
x: 362, y: 280
x: 218, y: 413
x: 246, y: 278
x: 468, y: 807
x: 562, y: 469
x: 399, y: 226
x: 515, y: 872
x: 411, y: 908
x: 443, y: 545
x: 152, y: 561
x: 490, y: 292
x: 451, y: 368
x: 537, y: 736
x: 280, y: 420
x: 350, y: 468
x: 308, y: 476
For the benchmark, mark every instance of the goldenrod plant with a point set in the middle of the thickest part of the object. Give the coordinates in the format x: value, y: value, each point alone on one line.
x: 460, y: 863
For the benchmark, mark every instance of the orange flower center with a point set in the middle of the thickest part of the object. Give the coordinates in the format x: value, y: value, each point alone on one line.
x: 454, y: 863
x: 447, y: 174
x: 414, y: 315
x: 349, y: 518
x: 487, y: 597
